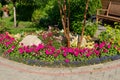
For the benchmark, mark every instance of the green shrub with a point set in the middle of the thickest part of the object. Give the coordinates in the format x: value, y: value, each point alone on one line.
x: 90, y: 28
x: 111, y: 34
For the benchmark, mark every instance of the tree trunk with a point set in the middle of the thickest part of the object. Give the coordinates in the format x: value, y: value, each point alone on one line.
x: 65, y: 19
x: 14, y: 8
x: 83, y: 27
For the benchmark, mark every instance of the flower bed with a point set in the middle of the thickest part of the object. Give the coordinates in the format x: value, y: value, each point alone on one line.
x: 48, y: 55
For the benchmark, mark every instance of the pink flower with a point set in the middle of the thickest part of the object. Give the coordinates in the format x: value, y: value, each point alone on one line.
x: 13, y: 47
x: 76, y: 53
x: 96, y: 45
x: 21, y: 50
x: 67, y: 60
x: 44, y: 36
x: 48, y: 52
x: 52, y: 49
x: 105, y: 50
x: 88, y: 54
x: 7, y: 44
x: 55, y: 55
x: 9, y: 51
x: 27, y: 50
x: 102, y: 45
x: 49, y: 34
x: 58, y: 51
x: 64, y: 54
x: 118, y: 49
x: 31, y: 49
x: 70, y: 50
x: 97, y: 52
x: 40, y: 46
x: 109, y: 46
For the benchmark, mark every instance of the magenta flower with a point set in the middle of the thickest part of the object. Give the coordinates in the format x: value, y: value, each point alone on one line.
x: 55, y: 55
x: 48, y: 52
x: 7, y: 44
x: 109, y: 46
x: 58, y: 51
x: 67, y: 60
x: 118, y: 49
x: 9, y: 51
x: 70, y: 50
x: 64, y: 54
x: 21, y: 50
x: 76, y: 53
x: 105, y: 50
x: 49, y: 34
x: 88, y: 54
x: 96, y: 45
x: 52, y: 49
x: 97, y: 52
x: 40, y: 46
x: 32, y: 49
x: 102, y: 45
x: 77, y: 50
x: 81, y: 51
x: 44, y: 36
x: 27, y: 50
x: 13, y: 47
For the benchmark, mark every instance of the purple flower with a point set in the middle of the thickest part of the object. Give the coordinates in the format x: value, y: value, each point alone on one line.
x: 67, y: 60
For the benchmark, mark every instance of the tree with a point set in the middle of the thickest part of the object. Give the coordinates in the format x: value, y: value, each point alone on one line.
x: 65, y: 15
x: 83, y: 27
x: 14, y: 8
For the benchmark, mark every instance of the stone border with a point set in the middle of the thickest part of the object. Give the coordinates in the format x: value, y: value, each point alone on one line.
x: 60, y: 71
x: 60, y: 64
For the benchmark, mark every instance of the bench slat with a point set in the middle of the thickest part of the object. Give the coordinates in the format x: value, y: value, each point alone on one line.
x: 114, y: 9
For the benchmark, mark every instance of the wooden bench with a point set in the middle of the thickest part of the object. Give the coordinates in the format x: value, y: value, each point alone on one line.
x: 110, y: 11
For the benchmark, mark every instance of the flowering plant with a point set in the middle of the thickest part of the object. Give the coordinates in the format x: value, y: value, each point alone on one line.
x: 50, y: 53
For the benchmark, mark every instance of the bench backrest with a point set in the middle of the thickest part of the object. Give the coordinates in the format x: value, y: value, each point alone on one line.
x: 114, y: 8
x: 105, y: 4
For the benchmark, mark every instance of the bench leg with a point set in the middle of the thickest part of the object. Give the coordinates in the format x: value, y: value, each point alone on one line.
x: 97, y: 19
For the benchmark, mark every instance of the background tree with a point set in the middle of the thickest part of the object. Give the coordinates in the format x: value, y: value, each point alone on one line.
x: 14, y: 10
